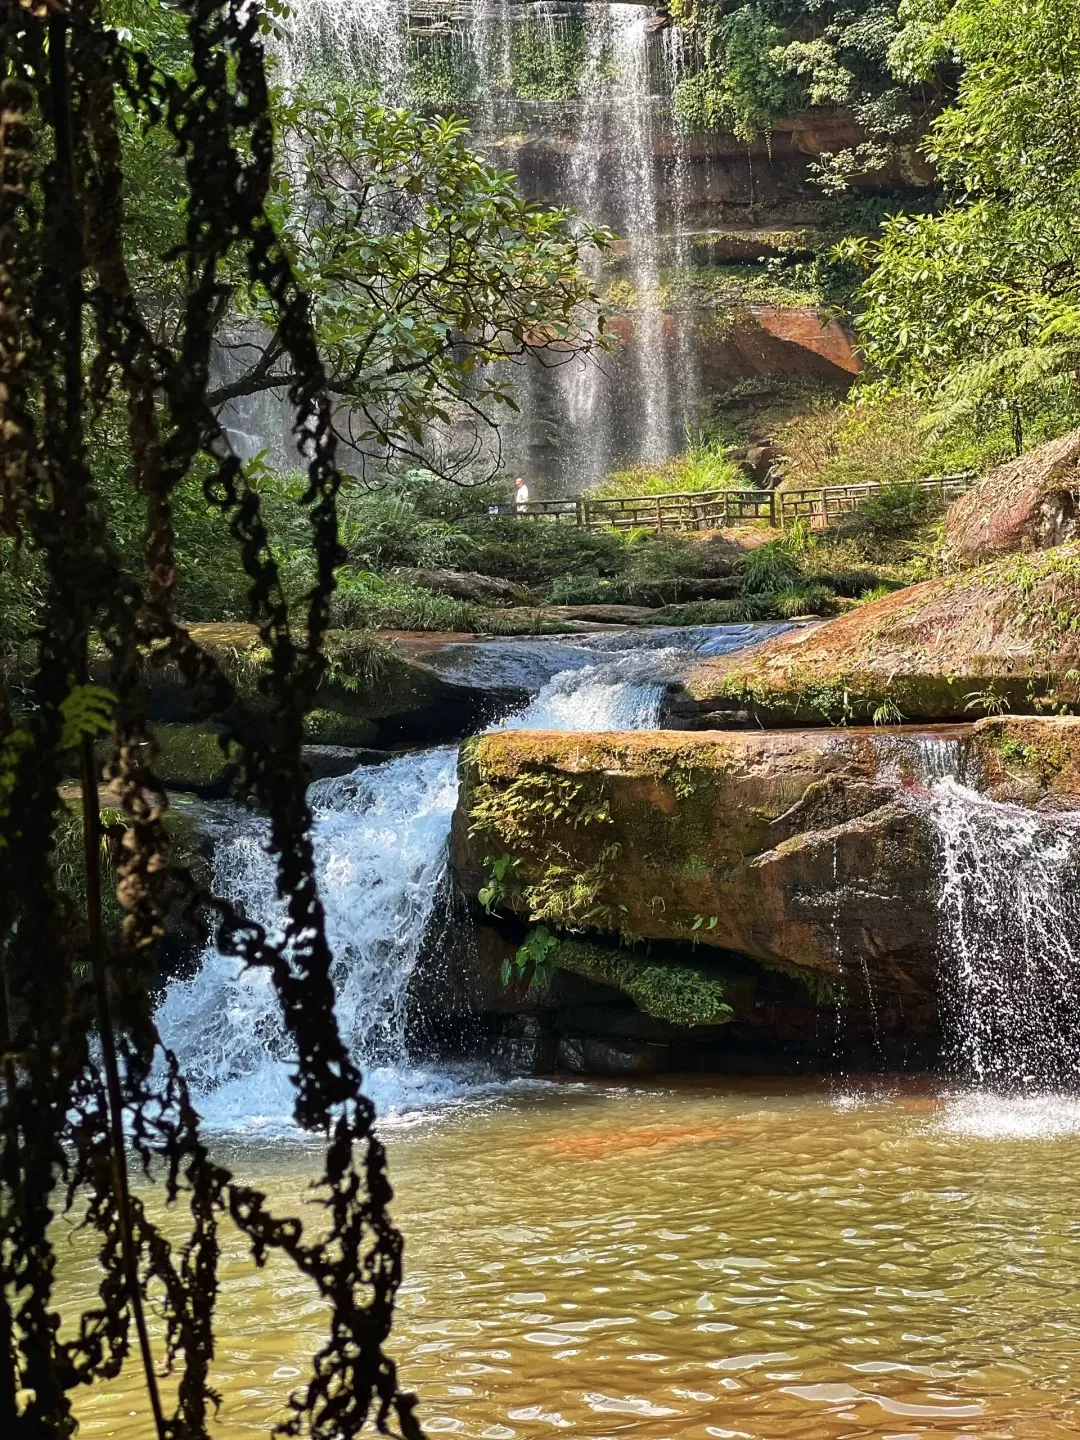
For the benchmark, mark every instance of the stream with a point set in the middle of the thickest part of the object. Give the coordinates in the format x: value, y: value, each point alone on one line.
x: 756, y: 1258
x: 381, y: 850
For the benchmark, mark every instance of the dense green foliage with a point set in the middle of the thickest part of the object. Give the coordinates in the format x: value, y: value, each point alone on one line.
x: 978, y: 307
x: 755, y: 60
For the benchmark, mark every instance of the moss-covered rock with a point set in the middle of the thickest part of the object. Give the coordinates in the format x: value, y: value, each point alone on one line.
x: 1028, y: 759
x: 1004, y: 636
x: 383, y: 690
x: 683, y: 995
x: 332, y: 727
x: 796, y: 848
x: 192, y: 757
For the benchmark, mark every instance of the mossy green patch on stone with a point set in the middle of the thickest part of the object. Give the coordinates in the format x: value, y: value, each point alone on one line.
x: 190, y: 757
x: 681, y: 994
x: 331, y: 727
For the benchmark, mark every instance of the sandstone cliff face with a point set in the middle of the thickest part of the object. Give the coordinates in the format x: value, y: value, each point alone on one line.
x: 1031, y: 503
x: 797, y: 848
x: 1004, y: 635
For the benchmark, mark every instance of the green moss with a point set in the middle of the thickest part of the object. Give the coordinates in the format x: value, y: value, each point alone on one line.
x: 330, y: 727
x: 188, y: 849
x: 191, y: 758
x: 680, y: 994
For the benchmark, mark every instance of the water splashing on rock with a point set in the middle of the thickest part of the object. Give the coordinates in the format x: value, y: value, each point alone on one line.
x: 380, y: 842
x: 1010, y: 939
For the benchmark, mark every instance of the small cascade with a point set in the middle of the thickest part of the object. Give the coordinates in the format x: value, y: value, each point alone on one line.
x: 380, y: 837
x: 1010, y: 939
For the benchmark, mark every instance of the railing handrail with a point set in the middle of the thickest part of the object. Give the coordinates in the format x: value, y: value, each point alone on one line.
x: 682, y: 496
x: 818, y: 502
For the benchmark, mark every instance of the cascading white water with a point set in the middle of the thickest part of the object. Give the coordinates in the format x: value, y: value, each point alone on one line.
x: 365, y: 37
x: 1010, y: 939
x: 380, y: 839
x: 634, y: 104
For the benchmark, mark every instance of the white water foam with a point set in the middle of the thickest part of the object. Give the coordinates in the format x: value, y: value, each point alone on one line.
x: 990, y: 1115
x: 380, y: 847
x: 1010, y: 940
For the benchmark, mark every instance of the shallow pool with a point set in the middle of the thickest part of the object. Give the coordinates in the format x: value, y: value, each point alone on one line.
x: 759, y: 1259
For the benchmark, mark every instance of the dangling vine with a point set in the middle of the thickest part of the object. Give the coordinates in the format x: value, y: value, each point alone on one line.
x: 83, y: 1078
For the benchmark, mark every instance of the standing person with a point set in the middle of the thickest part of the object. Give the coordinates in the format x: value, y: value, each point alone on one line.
x: 521, y: 495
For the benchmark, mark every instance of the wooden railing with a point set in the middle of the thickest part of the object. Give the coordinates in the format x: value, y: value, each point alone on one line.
x: 822, y: 506
x: 712, y: 509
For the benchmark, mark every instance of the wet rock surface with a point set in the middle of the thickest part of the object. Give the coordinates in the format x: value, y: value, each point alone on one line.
x: 795, y: 848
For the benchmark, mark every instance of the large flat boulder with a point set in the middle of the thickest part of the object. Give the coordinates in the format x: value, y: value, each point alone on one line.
x: 1031, y: 503
x: 1003, y: 636
x: 377, y: 692
x: 800, y: 849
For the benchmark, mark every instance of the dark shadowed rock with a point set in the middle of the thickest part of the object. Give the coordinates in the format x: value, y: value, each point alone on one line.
x: 324, y: 762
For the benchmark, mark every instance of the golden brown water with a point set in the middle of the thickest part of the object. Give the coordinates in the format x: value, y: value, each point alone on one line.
x: 761, y: 1259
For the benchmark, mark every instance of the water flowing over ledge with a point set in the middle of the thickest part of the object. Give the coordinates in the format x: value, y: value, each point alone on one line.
x: 381, y: 850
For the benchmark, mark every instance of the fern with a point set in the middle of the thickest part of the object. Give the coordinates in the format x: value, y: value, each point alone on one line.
x: 86, y: 713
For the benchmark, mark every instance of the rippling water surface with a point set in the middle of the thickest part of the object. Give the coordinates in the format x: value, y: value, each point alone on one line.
x: 760, y: 1259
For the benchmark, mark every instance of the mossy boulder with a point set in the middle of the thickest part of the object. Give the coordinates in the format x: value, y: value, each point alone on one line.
x: 382, y: 694
x: 333, y: 727
x: 1032, y: 503
x: 798, y: 849
x: 1003, y: 636
x: 1027, y: 759
x: 683, y: 995
x: 192, y: 757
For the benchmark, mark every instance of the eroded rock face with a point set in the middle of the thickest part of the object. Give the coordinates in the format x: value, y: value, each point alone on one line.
x: 1031, y: 760
x: 1031, y: 503
x: 1004, y: 634
x: 801, y: 849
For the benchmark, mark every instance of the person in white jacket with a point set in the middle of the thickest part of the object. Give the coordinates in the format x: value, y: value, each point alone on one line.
x: 521, y: 495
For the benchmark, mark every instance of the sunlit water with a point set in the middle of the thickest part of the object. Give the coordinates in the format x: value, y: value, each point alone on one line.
x: 758, y: 1260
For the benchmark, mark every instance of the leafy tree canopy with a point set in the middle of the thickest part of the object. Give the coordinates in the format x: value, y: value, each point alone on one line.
x: 980, y: 305
x: 754, y: 60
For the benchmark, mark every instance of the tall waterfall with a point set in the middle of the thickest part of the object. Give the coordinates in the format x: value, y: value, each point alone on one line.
x: 608, y: 147
x: 380, y: 844
x: 1010, y: 939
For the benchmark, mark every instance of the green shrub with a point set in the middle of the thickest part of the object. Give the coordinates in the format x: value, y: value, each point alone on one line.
x: 768, y: 568
x: 704, y: 466
x: 364, y: 601
x: 537, y: 553
x: 896, y: 509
